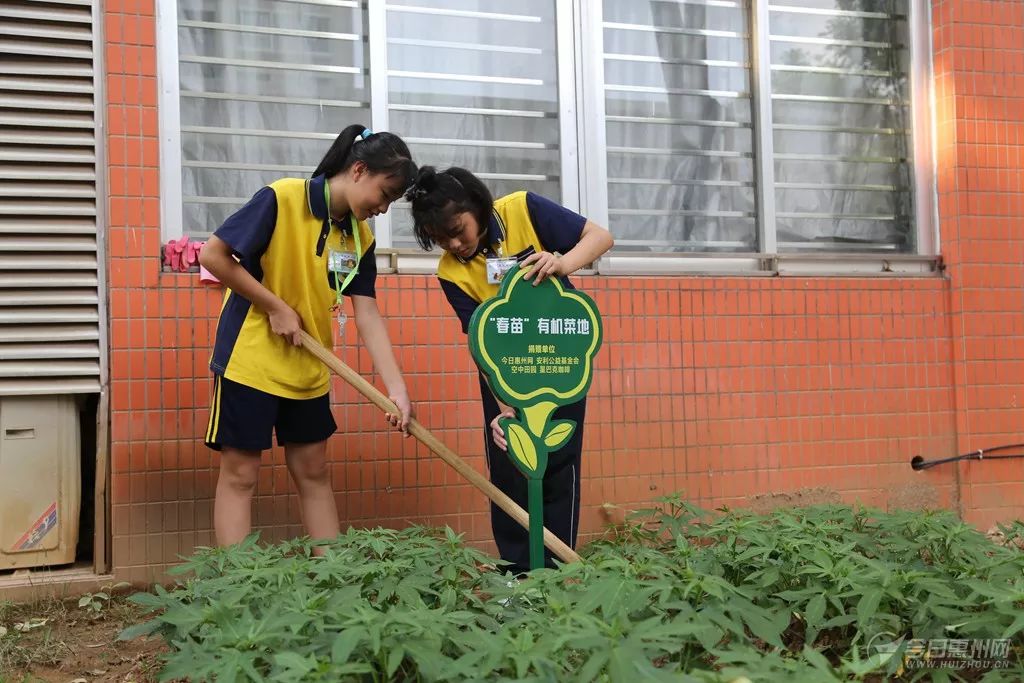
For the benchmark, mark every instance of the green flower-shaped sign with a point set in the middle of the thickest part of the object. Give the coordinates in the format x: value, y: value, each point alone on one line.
x: 536, y: 346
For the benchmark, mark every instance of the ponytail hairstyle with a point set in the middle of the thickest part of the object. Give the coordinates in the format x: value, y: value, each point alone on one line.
x: 381, y: 152
x: 437, y: 197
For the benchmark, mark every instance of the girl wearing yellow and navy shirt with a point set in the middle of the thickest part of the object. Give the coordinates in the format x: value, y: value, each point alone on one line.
x: 286, y: 258
x: 454, y: 210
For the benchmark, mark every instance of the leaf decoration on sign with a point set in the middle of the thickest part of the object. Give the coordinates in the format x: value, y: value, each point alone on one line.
x: 561, y: 431
x: 522, y: 447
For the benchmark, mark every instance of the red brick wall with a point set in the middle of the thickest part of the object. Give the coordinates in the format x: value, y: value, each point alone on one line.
x: 722, y: 388
x: 979, y: 75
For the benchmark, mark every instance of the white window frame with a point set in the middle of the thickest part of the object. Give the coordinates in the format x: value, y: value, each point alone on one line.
x: 169, y: 120
x: 583, y: 149
x: 769, y: 261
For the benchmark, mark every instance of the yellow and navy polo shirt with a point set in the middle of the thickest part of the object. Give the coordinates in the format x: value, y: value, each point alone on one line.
x: 522, y: 223
x: 284, y: 237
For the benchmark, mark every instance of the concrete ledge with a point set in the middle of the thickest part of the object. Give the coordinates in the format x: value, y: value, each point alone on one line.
x: 35, y: 585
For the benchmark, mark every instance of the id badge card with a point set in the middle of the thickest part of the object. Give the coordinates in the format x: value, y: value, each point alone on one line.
x: 341, y: 262
x: 497, y: 267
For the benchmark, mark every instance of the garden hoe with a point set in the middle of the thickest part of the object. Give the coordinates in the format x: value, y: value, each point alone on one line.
x: 424, y: 436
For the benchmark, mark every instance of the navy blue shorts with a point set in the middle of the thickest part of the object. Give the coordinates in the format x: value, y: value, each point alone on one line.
x: 245, y: 418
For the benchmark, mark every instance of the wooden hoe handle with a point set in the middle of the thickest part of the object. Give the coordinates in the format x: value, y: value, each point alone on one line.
x: 424, y: 436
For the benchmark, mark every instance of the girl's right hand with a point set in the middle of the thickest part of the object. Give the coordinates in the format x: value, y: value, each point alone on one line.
x: 405, y: 414
x: 287, y: 323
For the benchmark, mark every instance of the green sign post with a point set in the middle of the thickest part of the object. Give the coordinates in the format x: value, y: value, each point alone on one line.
x: 536, y: 345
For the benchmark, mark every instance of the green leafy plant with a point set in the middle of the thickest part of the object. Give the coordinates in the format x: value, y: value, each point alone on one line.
x: 676, y: 594
x: 96, y: 603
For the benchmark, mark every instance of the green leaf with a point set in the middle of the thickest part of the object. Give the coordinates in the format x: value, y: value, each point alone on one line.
x: 839, y: 620
x: 709, y: 637
x: 813, y: 614
x: 247, y: 664
x: 595, y: 664
x: 429, y: 661
x: 599, y: 594
x: 1016, y: 627
x: 815, y: 609
x: 560, y: 432
x: 395, y: 658
x: 345, y: 643
x: 769, y: 577
x: 153, y: 602
x: 293, y: 662
x: 408, y: 596
x: 521, y: 445
x: 621, y: 665
x: 867, y: 606
x: 822, y: 559
x: 185, y: 618
x: 138, y: 630
x: 818, y: 661
x: 762, y: 627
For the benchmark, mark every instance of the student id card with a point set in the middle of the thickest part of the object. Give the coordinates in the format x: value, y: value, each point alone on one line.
x: 341, y: 262
x: 497, y: 267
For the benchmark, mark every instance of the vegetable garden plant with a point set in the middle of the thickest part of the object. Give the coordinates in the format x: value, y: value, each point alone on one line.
x: 676, y: 594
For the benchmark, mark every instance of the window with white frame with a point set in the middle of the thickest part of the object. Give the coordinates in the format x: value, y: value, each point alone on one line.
x: 729, y: 126
x: 476, y: 88
x: 264, y: 87
x: 682, y: 159
x: 840, y: 116
x: 679, y: 129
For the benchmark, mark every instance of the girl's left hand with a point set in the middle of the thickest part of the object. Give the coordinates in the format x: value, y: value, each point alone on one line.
x: 497, y: 433
x: 545, y: 265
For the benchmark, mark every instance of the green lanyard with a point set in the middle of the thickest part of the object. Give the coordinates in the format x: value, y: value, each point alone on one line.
x: 339, y: 288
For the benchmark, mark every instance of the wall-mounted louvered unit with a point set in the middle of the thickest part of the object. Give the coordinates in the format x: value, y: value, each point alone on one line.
x: 49, y: 295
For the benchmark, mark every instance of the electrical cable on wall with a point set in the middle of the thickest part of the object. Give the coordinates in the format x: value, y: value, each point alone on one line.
x: 919, y: 463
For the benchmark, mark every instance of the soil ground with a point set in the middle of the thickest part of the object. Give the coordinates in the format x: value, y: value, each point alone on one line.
x: 57, y: 641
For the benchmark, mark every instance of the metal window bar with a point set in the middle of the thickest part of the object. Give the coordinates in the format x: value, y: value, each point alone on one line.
x: 269, y: 30
x: 725, y: 63
x: 270, y: 99
x: 675, y: 30
x: 467, y: 14
x: 829, y: 12
x: 267, y: 64
x: 478, y: 47
x: 480, y: 111
x: 471, y: 78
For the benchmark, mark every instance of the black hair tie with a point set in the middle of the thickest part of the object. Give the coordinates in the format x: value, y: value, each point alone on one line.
x: 416, y: 192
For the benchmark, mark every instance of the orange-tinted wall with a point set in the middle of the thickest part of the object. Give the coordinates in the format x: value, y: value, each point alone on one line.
x: 725, y: 389
x: 979, y: 77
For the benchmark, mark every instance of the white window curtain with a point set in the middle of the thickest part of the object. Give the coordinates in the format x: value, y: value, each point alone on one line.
x: 679, y: 131
x: 680, y: 138
x: 265, y: 86
x: 841, y: 111
x: 474, y: 83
